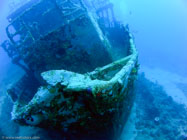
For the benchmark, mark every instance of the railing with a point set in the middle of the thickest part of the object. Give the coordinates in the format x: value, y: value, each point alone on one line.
x: 15, y: 4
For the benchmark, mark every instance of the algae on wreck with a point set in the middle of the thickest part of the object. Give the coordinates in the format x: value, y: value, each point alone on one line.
x: 83, y: 73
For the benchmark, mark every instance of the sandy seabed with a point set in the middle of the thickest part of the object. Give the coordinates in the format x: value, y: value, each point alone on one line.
x: 160, y: 107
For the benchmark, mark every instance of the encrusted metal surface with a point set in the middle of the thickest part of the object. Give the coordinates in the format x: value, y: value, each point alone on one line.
x: 91, y: 64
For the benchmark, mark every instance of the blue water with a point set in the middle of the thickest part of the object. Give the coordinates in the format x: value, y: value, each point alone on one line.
x: 159, y: 28
x: 160, y: 31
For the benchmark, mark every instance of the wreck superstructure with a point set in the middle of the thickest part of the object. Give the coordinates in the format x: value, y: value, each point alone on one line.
x: 37, y: 30
x: 91, y: 63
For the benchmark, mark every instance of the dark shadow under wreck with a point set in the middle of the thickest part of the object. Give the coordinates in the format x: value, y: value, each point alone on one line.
x: 93, y: 93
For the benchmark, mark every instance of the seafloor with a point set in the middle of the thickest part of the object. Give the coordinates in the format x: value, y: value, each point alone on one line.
x: 160, y: 107
x: 159, y: 111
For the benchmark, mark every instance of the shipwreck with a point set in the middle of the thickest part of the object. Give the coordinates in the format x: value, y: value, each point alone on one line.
x: 80, y: 65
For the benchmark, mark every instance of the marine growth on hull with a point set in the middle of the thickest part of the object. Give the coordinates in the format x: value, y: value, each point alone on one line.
x: 79, y: 62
